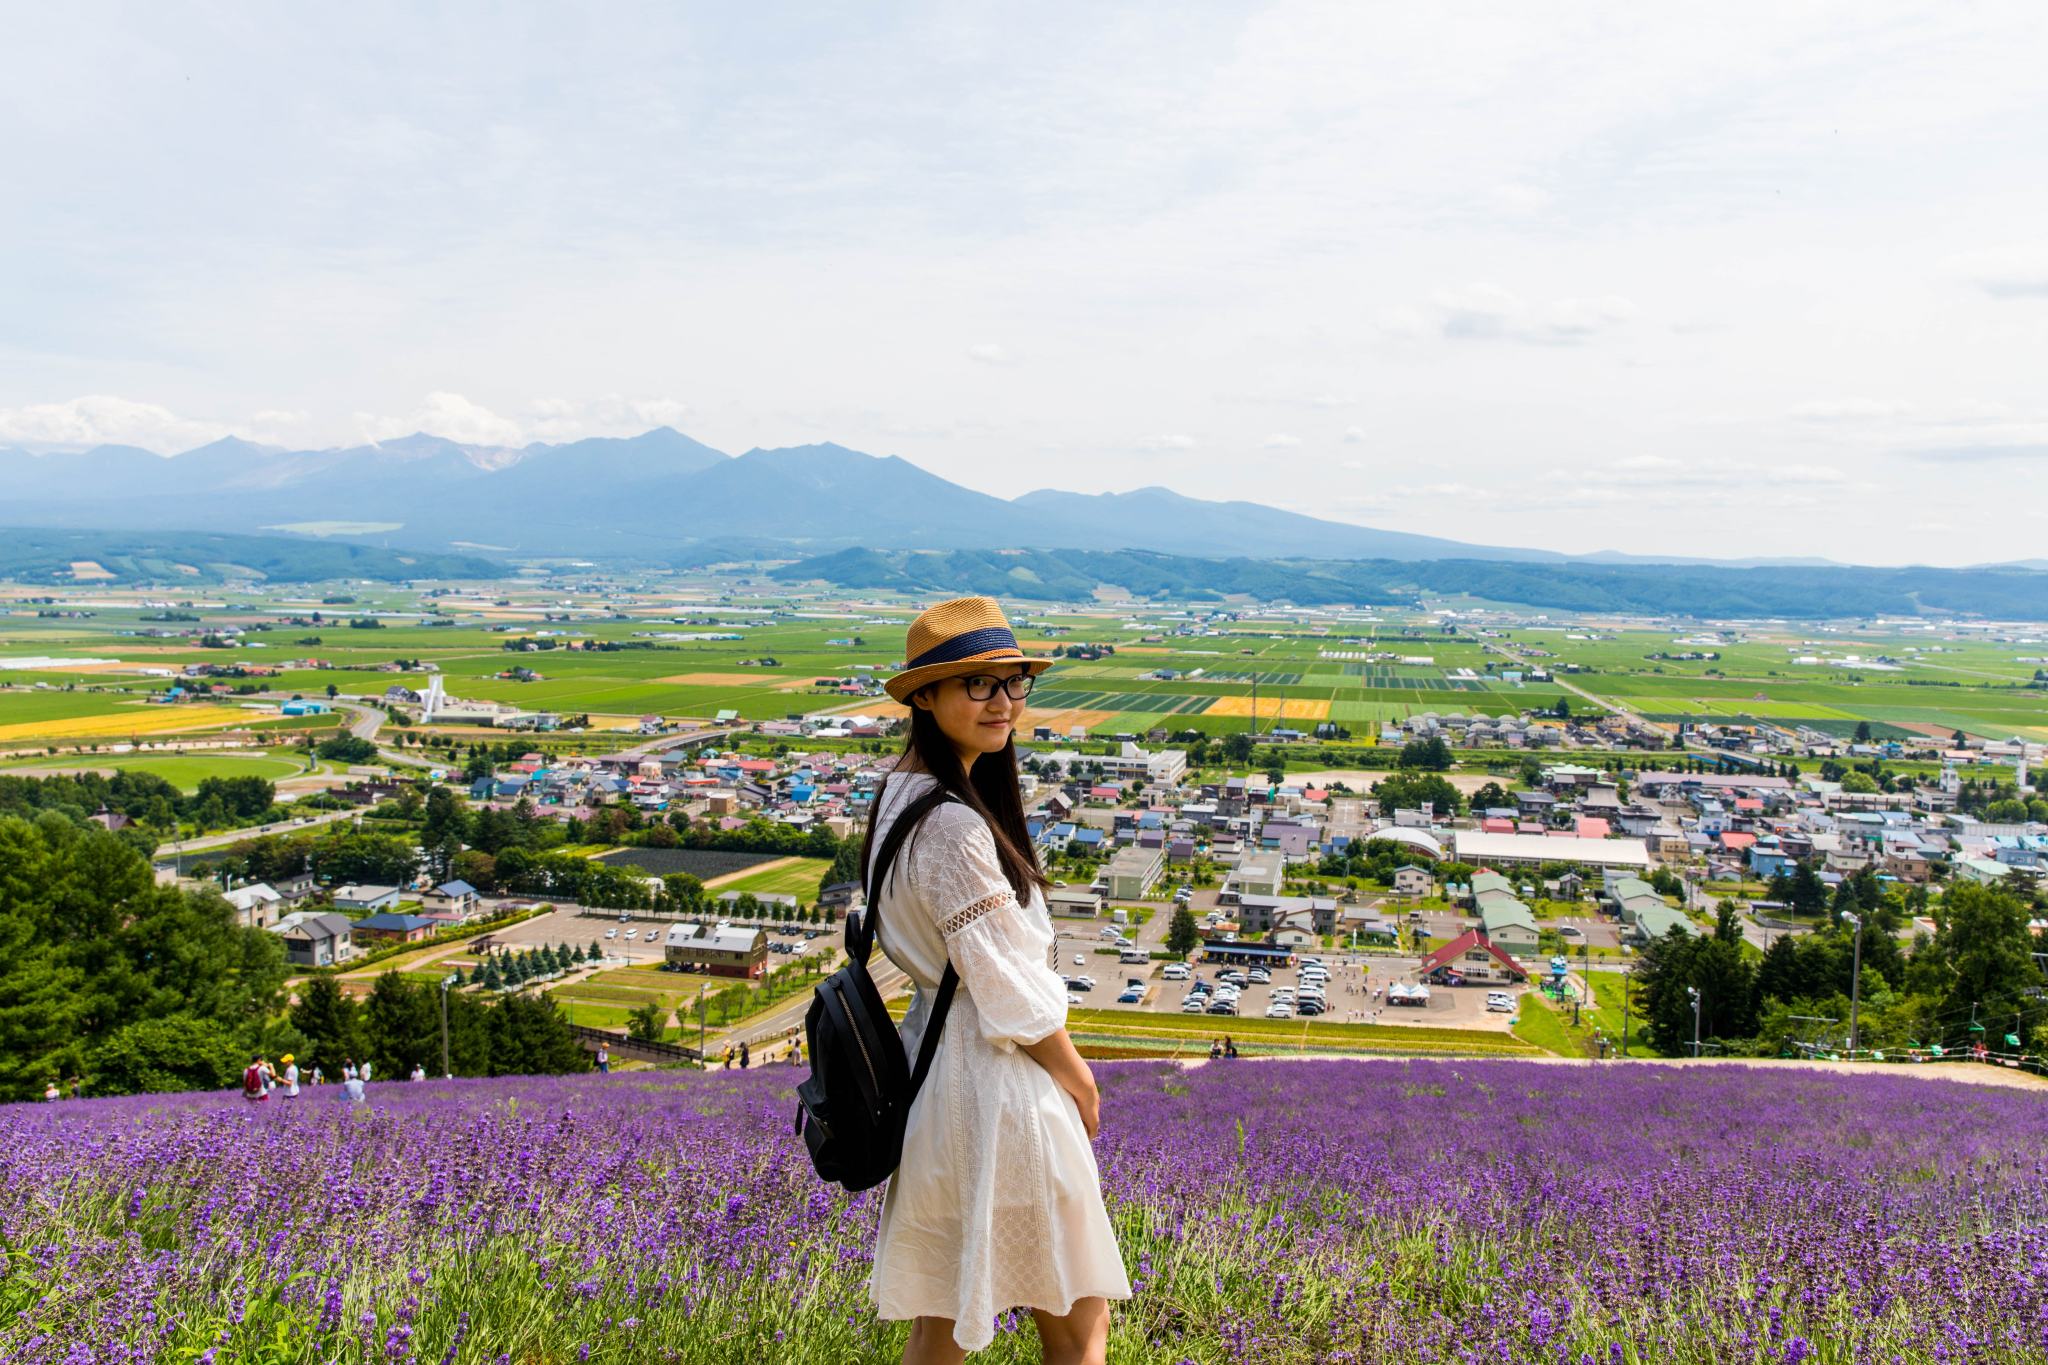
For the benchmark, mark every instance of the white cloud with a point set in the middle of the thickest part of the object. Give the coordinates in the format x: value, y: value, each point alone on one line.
x: 450, y: 416
x: 102, y: 419
x: 1352, y: 435
x: 1486, y: 312
x: 1158, y: 443
x: 2009, y: 273
x: 1280, y: 440
x: 1848, y: 410
x: 988, y: 353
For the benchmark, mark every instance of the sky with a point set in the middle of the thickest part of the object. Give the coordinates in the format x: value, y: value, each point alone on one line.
x: 1743, y: 279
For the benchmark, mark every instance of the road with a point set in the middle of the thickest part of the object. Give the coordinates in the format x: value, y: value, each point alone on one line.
x: 1603, y: 703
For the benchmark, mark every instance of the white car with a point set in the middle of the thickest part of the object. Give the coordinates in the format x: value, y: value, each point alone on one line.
x: 1073, y: 999
x: 1279, y: 1010
x: 1194, y: 1004
x: 1500, y: 1002
x: 1177, y: 971
x: 1079, y: 960
x: 611, y: 933
x: 632, y: 934
x: 1123, y: 942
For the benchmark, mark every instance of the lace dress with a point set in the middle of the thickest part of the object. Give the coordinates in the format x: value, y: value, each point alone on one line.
x: 998, y: 1202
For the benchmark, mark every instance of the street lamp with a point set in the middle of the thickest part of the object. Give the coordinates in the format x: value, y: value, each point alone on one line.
x: 1855, y: 978
x: 446, y: 982
x: 1694, y: 992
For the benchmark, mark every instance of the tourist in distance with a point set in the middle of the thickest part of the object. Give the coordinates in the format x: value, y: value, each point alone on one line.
x: 366, y: 1073
x: 254, y: 1087
x: 51, y: 1093
x: 604, y: 1059
x: 998, y: 1201
x: 352, y: 1090
x: 288, y: 1082
x: 745, y: 1056
x: 348, y: 1069
x: 419, y: 1072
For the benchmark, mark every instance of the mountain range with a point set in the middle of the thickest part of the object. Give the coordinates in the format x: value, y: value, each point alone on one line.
x: 658, y: 494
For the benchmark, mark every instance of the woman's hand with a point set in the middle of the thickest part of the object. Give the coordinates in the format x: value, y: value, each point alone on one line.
x: 1055, y: 1052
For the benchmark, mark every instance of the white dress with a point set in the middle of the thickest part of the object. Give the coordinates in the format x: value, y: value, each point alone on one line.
x: 998, y: 1202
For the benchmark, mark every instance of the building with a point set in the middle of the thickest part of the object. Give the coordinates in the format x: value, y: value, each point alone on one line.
x: 1987, y: 871
x: 316, y: 940
x: 1250, y: 879
x: 1073, y: 902
x: 718, y: 950
x: 459, y: 897
x: 257, y: 905
x: 363, y: 899
x: 1132, y: 872
x: 1509, y: 923
x: 1413, y: 881
x: 392, y: 928
x: 1632, y: 896
x: 1264, y: 914
x: 1658, y: 920
x: 1534, y: 850
x: 1470, y: 955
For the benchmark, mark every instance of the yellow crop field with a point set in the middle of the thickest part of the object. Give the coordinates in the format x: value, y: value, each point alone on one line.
x: 136, y: 721
x: 1270, y: 708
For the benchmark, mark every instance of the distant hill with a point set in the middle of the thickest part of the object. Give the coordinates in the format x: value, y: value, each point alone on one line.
x: 83, y: 558
x: 648, y: 495
x: 1648, y: 589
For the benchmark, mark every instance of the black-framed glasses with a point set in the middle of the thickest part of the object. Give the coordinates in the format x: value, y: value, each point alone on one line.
x: 980, y: 686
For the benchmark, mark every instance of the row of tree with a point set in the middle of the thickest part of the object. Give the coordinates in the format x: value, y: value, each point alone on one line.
x: 398, y: 1025
x: 1975, y: 969
x: 155, y: 808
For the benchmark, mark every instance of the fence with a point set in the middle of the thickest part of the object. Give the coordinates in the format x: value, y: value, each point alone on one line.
x: 625, y: 1045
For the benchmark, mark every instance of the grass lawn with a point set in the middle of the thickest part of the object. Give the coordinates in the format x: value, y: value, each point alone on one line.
x: 799, y: 879
x: 608, y: 995
x: 1539, y: 1024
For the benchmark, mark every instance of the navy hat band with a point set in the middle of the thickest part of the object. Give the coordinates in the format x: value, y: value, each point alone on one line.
x: 965, y: 646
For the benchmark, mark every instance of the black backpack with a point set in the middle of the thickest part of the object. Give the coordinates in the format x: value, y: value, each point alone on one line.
x: 856, y: 1103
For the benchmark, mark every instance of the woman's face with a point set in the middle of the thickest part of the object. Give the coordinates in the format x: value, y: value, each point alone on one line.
x: 974, y: 727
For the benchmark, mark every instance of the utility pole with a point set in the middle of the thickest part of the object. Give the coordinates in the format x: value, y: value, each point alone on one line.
x: 700, y: 1020
x: 1694, y: 992
x: 446, y: 982
x: 1855, y: 979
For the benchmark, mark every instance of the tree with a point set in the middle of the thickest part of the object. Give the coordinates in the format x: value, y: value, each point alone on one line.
x: 1861, y: 783
x: 1808, y: 896
x: 1981, y: 953
x: 347, y: 748
x: 1431, y: 754
x: 1715, y: 968
x: 1862, y: 732
x: 327, y: 1016
x: 1492, y: 796
x: 1237, y: 748
x: 1411, y: 791
x: 1183, y: 935
x: 647, y: 1022
x: 401, y: 1022
x: 174, y: 1053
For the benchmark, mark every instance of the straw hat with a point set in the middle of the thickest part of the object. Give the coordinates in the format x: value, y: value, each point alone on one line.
x: 955, y: 638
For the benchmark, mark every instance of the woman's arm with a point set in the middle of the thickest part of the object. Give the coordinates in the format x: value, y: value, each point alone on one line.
x: 1055, y: 1052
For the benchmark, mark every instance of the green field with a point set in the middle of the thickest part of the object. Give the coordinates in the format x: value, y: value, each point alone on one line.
x: 185, y: 773
x: 800, y: 879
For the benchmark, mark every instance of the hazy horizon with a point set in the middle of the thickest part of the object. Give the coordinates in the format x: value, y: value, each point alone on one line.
x: 1748, y: 282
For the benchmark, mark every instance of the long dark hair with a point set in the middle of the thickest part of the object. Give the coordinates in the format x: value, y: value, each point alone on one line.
x: 989, y: 789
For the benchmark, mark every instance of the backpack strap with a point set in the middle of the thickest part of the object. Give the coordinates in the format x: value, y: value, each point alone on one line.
x: 870, y: 923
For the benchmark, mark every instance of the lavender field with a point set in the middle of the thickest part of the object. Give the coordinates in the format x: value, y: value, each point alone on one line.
x: 1422, y: 1211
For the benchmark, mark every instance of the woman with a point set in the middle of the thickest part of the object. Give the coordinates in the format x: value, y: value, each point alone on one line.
x: 998, y: 1202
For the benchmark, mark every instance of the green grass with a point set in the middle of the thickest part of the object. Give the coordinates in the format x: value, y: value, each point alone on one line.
x: 799, y: 879
x: 29, y: 707
x: 1539, y: 1025
x: 184, y: 773
x: 611, y: 994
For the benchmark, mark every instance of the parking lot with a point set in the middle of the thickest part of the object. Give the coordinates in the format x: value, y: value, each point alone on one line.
x: 634, y: 939
x: 1356, y: 992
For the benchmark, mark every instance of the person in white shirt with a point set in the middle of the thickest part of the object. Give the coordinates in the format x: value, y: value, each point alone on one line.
x: 348, y: 1069
x: 419, y: 1073
x: 52, y: 1093
x: 366, y: 1073
x: 288, y: 1081
x: 352, y: 1090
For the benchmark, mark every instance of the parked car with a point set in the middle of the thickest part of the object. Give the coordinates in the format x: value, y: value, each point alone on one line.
x: 1309, y: 1007
x: 1079, y: 983
x: 1223, y: 1007
x: 1259, y: 976
x: 1500, y: 1002
x: 1073, y: 999
x: 1176, y: 971
x: 1131, y: 997
x: 1107, y: 932
x: 1123, y: 942
x: 1193, y: 1004
x: 611, y: 933
x: 1279, y: 1010
x: 1571, y: 931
